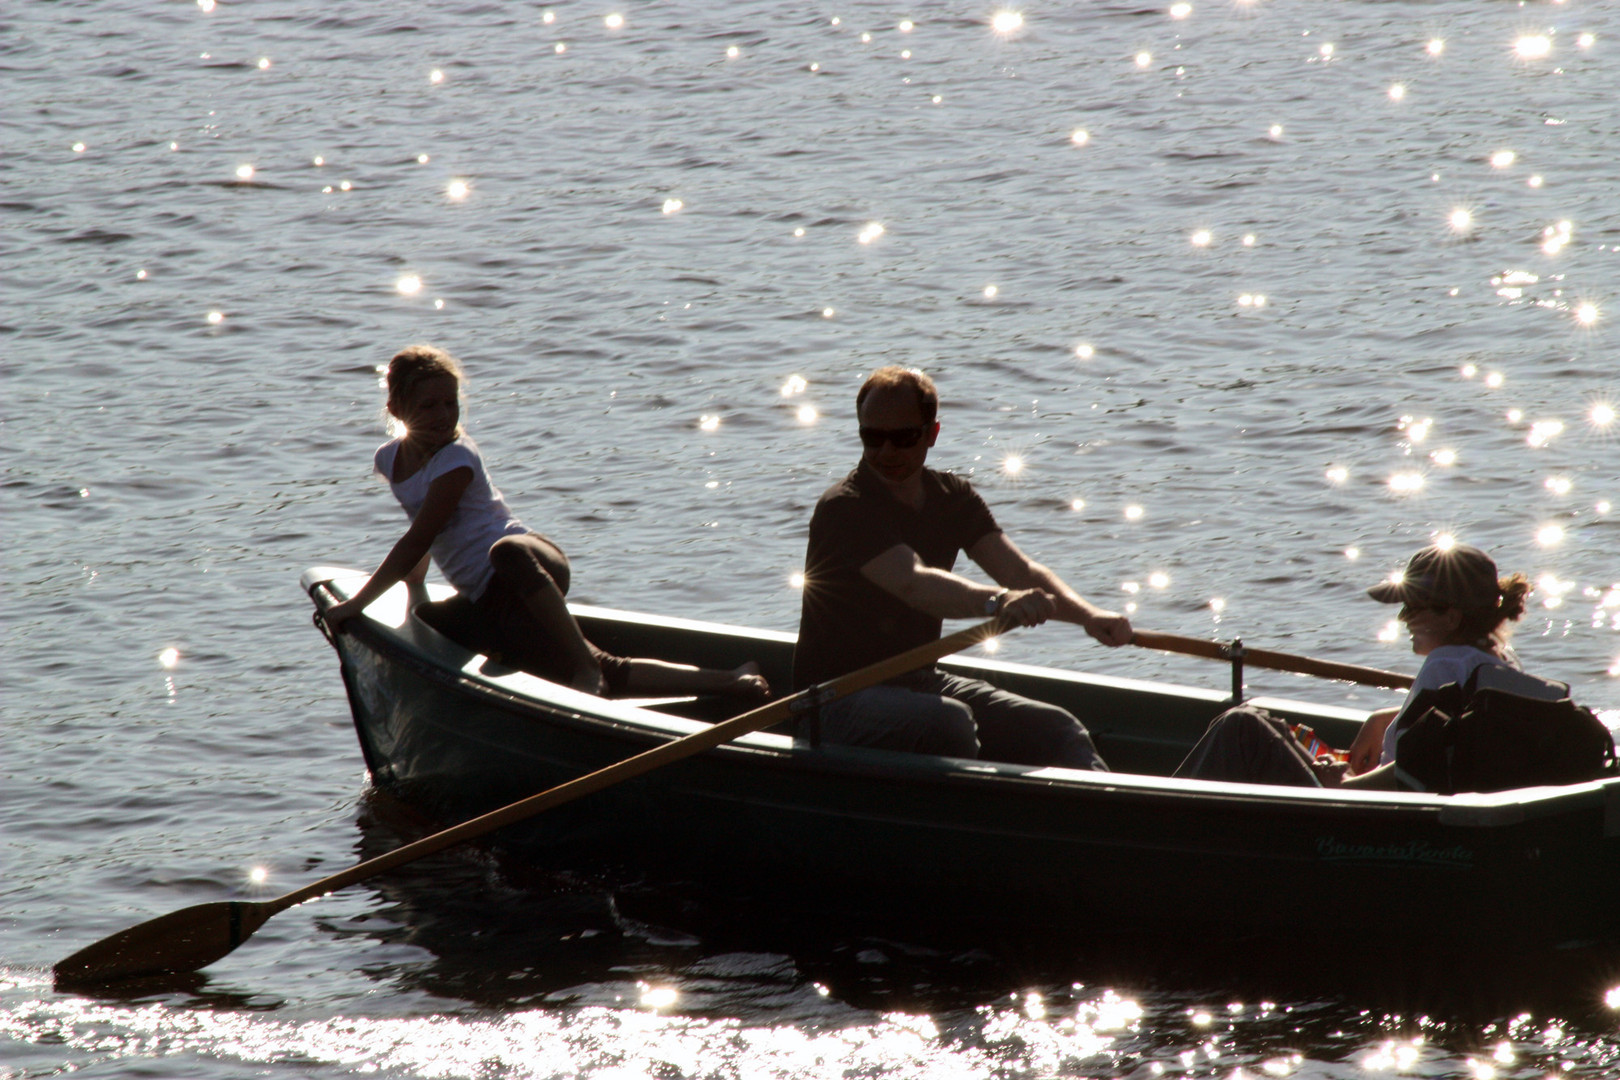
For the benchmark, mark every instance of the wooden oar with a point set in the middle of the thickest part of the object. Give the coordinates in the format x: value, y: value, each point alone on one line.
x: 195, y: 937
x: 1304, y: 665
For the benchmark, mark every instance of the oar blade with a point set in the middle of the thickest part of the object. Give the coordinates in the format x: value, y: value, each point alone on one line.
x: 181, y: 941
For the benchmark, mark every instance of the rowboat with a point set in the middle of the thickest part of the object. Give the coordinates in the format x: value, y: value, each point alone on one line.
x: 838, y: 829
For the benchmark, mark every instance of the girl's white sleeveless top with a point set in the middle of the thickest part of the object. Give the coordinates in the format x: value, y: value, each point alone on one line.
x: 461, y: 550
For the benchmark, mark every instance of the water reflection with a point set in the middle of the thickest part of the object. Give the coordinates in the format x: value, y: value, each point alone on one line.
x: 1006, y: 22
x: 1533, y: 46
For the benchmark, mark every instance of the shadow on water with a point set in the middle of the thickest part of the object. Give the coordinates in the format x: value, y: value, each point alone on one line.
x: 501, y: 934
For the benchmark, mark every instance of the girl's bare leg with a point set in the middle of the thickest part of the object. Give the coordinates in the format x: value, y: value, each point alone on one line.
x: 549, y: 609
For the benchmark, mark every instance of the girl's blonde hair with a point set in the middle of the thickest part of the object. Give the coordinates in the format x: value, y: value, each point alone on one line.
x: 409, y: 369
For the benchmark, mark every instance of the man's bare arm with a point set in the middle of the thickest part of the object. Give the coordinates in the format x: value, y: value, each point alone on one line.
x: 945, y: 595
x: 1003, y: 560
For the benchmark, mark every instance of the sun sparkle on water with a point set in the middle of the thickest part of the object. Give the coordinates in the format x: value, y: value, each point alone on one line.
x: 1006, y: 22
x: 659, y: 997
x: 1406, y: 483
x: 1533, y: 46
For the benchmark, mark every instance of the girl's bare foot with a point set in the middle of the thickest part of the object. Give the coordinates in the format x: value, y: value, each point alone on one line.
x: 748, y: 683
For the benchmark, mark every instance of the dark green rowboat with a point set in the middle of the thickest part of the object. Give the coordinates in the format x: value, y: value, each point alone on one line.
x: 850, y: 830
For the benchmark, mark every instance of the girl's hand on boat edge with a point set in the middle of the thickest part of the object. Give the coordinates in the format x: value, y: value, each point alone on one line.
x: 338, y: 614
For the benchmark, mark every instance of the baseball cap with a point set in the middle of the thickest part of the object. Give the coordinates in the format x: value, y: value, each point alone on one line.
x: 1460, y: 576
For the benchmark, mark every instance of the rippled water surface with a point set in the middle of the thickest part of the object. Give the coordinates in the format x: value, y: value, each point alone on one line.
x: 1232, y: 306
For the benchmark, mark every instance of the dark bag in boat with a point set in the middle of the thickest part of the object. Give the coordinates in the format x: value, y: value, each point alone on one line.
x: 1502, y: 729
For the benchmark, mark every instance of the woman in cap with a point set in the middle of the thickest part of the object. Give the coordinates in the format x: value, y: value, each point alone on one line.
x: 1457, y: 612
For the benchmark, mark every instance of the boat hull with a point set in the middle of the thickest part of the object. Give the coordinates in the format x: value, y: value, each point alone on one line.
x: 898, y: 835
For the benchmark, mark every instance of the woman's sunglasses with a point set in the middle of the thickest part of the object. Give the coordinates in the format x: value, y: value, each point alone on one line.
x: 903, y: 438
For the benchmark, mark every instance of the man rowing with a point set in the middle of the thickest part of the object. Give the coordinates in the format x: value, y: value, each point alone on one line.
x: 878, y: 580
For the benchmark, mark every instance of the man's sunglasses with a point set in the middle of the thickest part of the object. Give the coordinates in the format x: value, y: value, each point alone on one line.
x: 903, y: 438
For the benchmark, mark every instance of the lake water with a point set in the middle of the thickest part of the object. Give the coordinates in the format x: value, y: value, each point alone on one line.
x: 1232, y: 308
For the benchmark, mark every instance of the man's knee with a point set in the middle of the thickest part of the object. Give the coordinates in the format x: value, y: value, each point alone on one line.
x: 947, y: 728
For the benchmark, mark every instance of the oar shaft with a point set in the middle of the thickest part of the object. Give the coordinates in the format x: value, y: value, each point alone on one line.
x: 1277, y: 661
x: 646, y: 761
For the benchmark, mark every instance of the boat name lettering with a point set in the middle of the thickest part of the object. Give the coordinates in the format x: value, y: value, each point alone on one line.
x: 1417, y: 851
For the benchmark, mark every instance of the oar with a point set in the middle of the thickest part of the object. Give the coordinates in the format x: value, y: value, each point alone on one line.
x: 195, y: 937
x: 1304, y: 665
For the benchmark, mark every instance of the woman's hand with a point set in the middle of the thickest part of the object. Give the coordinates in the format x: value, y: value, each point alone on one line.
x: 1367, y: 748
x: 1328, y: 772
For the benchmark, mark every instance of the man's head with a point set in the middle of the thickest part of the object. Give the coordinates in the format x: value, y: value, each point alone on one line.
x: 897, y: 407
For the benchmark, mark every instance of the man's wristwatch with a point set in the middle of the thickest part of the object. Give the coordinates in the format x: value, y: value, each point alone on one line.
x: 992, y: 605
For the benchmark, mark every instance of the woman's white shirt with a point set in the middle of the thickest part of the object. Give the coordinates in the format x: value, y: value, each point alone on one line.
x: 461, y: 550
x: 1444, y: 664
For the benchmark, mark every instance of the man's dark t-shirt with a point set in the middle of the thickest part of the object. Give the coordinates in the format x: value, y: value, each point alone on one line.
x: 847, y: 622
